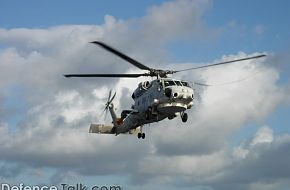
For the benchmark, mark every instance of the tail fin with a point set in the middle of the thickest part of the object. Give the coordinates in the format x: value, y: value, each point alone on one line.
x: 113, y: 113
x: 110, y: 107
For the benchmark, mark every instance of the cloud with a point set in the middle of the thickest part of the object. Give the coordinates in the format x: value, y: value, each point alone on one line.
x: 53, y: 133
x: 10, y: 171
x: 175, y: 19
x: 264, y: 165
x: 223, y: 109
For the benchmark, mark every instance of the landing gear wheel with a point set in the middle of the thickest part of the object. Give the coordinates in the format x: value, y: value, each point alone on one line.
x: 141, y: 135
x: 184, y: 117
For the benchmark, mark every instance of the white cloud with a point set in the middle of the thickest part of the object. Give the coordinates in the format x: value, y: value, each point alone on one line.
x: 264, y: 135
x: 175, y: 19
x: 54, y: 132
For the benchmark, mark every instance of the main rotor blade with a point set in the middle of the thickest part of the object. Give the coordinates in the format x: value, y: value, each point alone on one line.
x: 108, y: 75
x: 122, y: 55
x: 221, y: 63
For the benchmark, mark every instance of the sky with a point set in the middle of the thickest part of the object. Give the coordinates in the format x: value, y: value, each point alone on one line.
x: 237, y: 135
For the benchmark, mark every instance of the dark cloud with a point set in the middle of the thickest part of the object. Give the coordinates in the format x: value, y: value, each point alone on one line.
x: 265, y: 163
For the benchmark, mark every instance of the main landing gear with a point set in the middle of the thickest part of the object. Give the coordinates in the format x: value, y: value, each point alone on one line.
x: 184, y: 117
x: 141, y: 134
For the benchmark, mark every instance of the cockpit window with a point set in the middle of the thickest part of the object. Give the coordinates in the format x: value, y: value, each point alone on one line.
x: 185, y: 83
x: 169, y: 83
x: 178, y: 83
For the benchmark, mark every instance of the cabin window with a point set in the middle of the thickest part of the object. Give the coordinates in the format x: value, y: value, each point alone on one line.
x: 178, y: 83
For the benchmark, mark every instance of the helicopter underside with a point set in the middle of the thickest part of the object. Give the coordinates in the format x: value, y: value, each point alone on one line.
x: 171, y: 108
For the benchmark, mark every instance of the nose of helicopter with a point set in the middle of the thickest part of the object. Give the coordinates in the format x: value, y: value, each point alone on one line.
x: 182, y: 93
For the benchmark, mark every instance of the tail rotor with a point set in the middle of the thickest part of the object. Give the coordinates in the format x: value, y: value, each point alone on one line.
x: 109, y: 103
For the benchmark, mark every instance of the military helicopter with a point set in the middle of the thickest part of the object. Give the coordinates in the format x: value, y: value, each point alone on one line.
x: 155, y: 100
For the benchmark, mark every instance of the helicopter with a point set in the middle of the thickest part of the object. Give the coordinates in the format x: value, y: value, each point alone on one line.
x: 155, y: 100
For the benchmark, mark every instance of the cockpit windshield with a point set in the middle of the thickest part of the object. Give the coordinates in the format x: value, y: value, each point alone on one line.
x: 175, y: 83
x: 185, y: 83
x: 178, y: 83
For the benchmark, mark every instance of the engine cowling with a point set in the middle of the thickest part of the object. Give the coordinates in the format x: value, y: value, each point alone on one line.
x: 145, y: 85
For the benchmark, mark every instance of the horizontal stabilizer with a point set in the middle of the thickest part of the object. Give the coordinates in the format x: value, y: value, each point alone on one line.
x: 101, y: 128
x: 107, y: 129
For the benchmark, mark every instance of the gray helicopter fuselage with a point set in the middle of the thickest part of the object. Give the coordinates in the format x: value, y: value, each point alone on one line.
x: 157, y: 100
